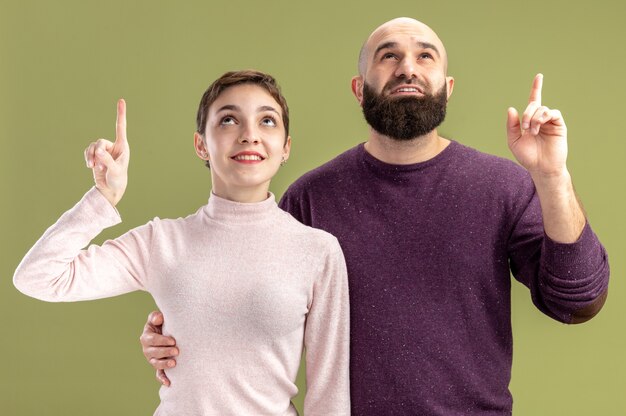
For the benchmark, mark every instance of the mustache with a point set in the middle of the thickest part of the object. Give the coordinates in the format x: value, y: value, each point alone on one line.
x: 391, y: 85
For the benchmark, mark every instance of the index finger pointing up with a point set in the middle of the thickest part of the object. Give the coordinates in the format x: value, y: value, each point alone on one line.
x: 535, y: 91
x: 120, y: 123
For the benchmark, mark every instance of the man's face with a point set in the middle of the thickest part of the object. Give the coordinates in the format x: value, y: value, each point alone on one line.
x: 403, y: 74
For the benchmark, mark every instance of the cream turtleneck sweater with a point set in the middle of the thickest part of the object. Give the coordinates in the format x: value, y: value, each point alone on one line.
x: 243, y: 287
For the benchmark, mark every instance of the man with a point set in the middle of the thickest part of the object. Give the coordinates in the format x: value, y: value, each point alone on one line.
x: 431, y: 230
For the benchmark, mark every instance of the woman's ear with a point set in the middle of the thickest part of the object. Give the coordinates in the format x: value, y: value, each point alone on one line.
x: 286, y: 149
x: 200, y: 146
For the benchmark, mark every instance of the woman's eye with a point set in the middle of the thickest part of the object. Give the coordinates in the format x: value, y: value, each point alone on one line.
x: 268, y: 121
x: 227, y: 120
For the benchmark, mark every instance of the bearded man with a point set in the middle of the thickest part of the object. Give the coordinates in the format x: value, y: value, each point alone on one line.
x: 431, y: 230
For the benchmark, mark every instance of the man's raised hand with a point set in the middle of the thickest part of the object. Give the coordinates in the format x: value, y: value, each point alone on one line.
x: 539, y: 143
x: 109, y: 161
x: 539, y: 140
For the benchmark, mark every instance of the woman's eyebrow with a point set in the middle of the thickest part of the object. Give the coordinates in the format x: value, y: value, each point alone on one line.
x: 231, y: 107
x: 267, y: 108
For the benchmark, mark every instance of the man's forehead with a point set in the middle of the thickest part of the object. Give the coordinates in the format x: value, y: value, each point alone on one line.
x: 402, y: 31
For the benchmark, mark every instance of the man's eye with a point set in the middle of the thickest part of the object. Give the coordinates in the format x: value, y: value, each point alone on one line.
x: 268, y: 121
x: 426, y: 55
x: 389, y: 56
x: 227, y: 120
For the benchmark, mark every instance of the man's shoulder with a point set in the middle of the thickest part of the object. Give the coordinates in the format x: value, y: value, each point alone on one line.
x: 330, y: 172
x: 493, y: 177
x: 490, y: 166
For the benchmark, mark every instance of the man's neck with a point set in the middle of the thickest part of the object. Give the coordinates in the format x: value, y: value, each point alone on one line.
x: 405, y: 152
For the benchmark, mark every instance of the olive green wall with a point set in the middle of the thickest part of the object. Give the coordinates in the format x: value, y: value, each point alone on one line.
x: 64, y: 63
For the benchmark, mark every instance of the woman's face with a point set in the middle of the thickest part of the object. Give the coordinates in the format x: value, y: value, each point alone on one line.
x: 244, y: 141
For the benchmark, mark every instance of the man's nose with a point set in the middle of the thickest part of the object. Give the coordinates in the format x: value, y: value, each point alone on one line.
x: 407, y: 68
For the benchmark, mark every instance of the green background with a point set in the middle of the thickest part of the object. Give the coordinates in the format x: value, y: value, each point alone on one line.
x: 64, y: 63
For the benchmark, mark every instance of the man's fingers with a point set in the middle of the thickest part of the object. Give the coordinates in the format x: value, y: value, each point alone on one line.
x: 160, y: 375
x: 556, y: 117
x: 161, y: 357
x: 542, y: 115
x: 163, y: 363
x: 528, y: 115
x: 159, y: 350
x: 156, y: 319
x: 512, y: 124
x: 535, y: 91
x: 150, y: 339
x: 120, y: 124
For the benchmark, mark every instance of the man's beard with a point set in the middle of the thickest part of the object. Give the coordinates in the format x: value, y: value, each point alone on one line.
x: 404, y: 118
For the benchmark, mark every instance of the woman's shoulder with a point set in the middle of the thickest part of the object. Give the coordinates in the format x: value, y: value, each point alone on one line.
x: 307, y: 235
x: 177, y: 227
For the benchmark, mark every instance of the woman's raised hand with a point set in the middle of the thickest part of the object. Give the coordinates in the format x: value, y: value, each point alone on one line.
x: 109, y: 161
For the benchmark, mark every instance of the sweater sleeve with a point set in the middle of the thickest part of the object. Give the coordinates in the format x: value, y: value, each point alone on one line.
x: 57, y: 269
x: 327, y: 342
x: 563, y: 278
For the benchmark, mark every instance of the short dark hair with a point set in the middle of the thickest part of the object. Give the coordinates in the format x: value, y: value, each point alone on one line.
x: 232, y: 78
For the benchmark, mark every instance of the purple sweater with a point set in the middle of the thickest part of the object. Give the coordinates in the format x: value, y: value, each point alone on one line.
x: 429, y: 249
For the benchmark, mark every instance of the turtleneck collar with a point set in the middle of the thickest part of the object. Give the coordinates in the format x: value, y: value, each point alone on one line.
x: 226, y: 211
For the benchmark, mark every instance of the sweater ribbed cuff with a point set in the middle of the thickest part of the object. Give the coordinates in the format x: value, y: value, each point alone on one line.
x: 98, y: 210
x: 580, y: 258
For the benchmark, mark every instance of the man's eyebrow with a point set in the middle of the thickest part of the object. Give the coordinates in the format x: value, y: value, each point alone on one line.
x: 386, y: 45
x: 391, y: 44
x: 428, y: 45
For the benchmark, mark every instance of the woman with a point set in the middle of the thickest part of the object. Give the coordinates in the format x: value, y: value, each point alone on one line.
x: 243, y: 285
